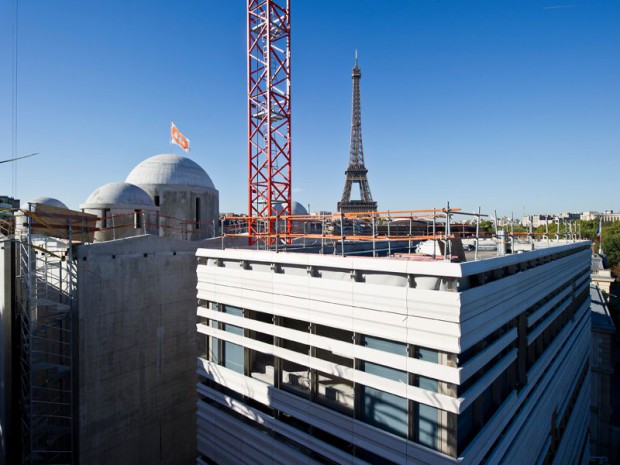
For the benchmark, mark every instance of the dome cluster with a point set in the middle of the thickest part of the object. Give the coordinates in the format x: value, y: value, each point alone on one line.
x: 166, y: 195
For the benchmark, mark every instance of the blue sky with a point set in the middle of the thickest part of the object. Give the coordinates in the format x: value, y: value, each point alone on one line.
x: 509, y: 105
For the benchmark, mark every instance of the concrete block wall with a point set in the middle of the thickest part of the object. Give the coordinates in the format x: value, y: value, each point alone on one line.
x: 137, y: 351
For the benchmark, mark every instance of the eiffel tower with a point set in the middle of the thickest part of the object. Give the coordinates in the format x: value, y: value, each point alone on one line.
x: 356, y: 172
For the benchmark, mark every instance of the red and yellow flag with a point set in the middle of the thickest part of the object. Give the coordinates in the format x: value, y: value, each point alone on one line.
x: 177, y: 138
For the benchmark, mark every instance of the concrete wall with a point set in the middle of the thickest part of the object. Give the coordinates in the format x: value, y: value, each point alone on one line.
x: 118, y: 223
x: 177, y: 207
x: 137, y: 351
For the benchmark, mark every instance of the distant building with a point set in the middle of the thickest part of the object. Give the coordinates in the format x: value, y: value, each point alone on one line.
x: 610, y: 217
x: 601, y: 276
x: 538, y: 220
x: 9, y: 202
x: 589, y: 216
x: 569, y: 216
x: 507, y: 221
x: 311, y: 358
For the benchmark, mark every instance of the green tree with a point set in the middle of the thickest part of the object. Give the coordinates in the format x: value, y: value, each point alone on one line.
x: 487, y: 227
x: 553, y: 227
x: 588, y: 229
x: 611, y: 243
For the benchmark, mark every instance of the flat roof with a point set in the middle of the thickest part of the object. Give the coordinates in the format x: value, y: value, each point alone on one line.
x: 601, y: 319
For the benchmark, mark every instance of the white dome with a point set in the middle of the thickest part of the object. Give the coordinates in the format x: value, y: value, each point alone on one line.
x: 298, y: 209
x: 119, y: 194
x: 52, y: 202
x: 169, y: 169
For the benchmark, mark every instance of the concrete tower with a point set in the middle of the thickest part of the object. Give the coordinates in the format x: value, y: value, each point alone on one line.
x: 183, y: 191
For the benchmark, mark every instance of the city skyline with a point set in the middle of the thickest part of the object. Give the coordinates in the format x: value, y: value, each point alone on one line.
x: 499, y: 106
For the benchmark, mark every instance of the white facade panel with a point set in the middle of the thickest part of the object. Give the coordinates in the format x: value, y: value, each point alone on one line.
x: 404, y: 355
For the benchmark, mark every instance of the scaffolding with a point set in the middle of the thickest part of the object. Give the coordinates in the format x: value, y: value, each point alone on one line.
x: 335, y: 233
x: 47, y: 319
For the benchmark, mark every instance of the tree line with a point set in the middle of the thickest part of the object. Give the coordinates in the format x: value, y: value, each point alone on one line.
x: 587, y: 229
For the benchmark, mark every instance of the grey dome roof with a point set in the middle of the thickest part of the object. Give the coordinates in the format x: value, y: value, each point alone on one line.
x: 298, y: 209
x: 52, y: 202
x: 169, y: 169
x: 119, y: 194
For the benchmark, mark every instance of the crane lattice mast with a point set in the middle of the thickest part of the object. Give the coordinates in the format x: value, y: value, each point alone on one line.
x: 269, y: 118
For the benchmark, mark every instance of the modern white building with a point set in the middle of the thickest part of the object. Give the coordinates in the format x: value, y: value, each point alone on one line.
x: 310, y: 358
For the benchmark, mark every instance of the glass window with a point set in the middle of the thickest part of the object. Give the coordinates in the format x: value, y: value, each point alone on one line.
x: 381, y: 409
x: 232, y: 329
x: 262, y: 366
x: 334, y: 392
x: 215, y: 345
x: 296, y: 378
x: 465, y: 428
x: 428, y: 426
x: 232, y: 356
x: 385, y: 345
x: 385, y: 411
x: 428, y: 355
x: 429, y: 384
x: 385, y: 372
x: 236, y: 312
x: 232, y: 310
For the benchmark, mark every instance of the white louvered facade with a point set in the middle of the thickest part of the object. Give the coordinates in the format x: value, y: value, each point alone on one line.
x: 310, y: 358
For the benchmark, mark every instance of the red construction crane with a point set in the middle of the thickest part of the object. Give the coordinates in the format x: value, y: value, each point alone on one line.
x: 269, y: 118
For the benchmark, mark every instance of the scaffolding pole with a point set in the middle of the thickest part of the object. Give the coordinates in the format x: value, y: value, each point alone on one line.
x: 46, y: 309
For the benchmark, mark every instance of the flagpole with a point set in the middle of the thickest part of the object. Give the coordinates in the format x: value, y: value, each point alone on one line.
x: 170, y: 139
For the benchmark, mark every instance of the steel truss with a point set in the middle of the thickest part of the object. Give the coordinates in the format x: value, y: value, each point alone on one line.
x: 269, y: 116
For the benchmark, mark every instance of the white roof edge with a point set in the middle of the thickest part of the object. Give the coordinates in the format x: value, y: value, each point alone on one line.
x: 488, y: 264
x: 388, y: 265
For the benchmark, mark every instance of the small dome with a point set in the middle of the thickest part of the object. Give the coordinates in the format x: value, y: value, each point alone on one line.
x: 169, y: 169
x: 52, y: 202
x: 299, y: 209
x: 118, y: 194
